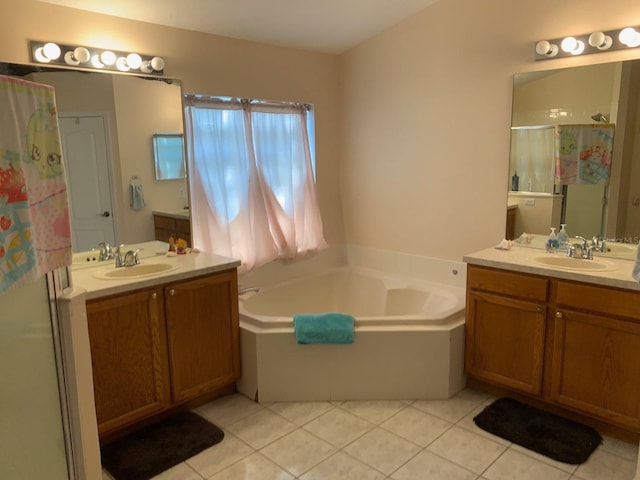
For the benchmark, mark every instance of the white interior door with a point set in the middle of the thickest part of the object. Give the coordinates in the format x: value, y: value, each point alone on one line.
x: 86, y: 155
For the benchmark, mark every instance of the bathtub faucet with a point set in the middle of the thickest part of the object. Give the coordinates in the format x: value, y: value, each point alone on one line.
x: 242, y: 291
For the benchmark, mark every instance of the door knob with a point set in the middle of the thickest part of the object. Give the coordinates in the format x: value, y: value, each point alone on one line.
x: 104, y: 214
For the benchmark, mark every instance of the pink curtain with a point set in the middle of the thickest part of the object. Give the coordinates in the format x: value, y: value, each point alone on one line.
x: 251, y: 180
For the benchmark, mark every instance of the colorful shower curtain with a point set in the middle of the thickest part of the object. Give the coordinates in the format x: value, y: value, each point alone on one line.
x: 583, y: 153
x: 35, y: 234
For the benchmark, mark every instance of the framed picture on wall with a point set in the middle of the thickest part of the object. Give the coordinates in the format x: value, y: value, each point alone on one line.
x: 168, y: 155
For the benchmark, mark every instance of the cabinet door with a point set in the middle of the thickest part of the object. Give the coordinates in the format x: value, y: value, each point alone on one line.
x: 129, y: 358
x: 595, y: 366
x: 505, y: 341
x: 203, y: 333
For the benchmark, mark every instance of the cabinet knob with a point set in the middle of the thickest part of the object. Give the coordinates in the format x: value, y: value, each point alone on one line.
x: 558, y: 314
x: 172, y: 292
x: 154, y: 295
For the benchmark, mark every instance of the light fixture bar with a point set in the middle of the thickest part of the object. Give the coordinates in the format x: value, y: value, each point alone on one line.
x: 595, y: 42
x: 92, y: 58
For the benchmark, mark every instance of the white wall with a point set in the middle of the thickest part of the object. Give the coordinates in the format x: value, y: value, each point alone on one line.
x: 427, y: 116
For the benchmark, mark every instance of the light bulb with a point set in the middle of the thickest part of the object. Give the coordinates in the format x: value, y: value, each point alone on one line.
x: 134, y: 60
x: 630, y: 37
x: 573, y: 46
x: 600, y: 41
x: 543, y: 47
x: 51, y: 50
x: 121, y: 64
x: 108, y: 57
x: 95, y: 61
x: 157, y: 63
x: 40, y: 56
x: 81, y: 54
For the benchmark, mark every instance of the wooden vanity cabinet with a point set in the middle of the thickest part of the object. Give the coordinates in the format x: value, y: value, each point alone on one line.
x: 505, y: 328
x: 203, y: 330
x: 583, y: 355
x: 128, y: 342
x: 596, y: 352
x: 166, y: 226
x: 157, y: 348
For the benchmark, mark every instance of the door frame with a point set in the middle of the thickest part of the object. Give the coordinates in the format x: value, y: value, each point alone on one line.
x: 115, y: 214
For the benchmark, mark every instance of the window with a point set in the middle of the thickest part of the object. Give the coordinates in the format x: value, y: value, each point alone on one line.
x: 252, y: 176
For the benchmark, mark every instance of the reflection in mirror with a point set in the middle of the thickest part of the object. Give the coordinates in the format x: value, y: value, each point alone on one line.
x: 106, y: 121
x: 590, y: 98
x: 168, y: 156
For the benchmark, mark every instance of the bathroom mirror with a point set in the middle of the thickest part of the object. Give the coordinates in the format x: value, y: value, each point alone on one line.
x: 110, y: 119
x: 168, y: 156
x: 602, y: 94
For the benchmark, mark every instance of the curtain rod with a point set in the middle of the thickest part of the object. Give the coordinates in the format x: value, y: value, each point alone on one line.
x: 251, y: 101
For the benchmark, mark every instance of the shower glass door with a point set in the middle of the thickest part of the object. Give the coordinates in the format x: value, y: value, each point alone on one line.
x: 32, y: 436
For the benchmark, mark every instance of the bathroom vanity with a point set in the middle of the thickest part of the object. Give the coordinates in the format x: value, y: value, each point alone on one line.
x: 176, y: 225
x: 566, y: 336
x: 160, y: 341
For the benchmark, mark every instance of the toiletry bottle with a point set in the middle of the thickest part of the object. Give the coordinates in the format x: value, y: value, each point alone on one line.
x: 514, y: 182
x: 563, y: 237
x: 552, y: 241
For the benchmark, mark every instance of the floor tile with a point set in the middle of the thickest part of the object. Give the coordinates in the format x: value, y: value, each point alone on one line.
x: 416, y: 426
x: 300, y: 412
x: 261, y: 428
x: 342, y: 466
x: 338, y: 427
x: 429, y: 466
x: 228, y: 409
x: 298, y: 451
x: 513, y: 465
x: 455, y: 408
x: 179, y: 472
x: 603, y: 465
x: 220, y: 456
x: 253, y: 467
x: 382, y: 450
x: 375, y: 412
x: 469, y: 450
x: 620, y: 448
x: 543, y: 458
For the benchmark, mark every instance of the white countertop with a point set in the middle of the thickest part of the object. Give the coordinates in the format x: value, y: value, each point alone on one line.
x: 522, y: 259
x: 188, y: 266
x: 181, y: 215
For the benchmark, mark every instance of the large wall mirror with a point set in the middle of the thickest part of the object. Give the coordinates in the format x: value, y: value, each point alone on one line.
x: 604, y: 97
x: 107, y: 122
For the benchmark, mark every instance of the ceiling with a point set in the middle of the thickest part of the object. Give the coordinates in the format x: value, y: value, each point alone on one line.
x: 330, y: 26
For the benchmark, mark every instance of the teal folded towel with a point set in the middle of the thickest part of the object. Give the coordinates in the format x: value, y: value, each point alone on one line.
x: 323, y: 328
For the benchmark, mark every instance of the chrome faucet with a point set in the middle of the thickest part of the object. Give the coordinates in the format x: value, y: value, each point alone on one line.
x: 129, y: 259
x: 580, y: 250
x: 105, y: 251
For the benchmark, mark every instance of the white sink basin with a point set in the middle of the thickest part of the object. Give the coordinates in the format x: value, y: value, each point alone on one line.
x: 136, y: 271
x: 569, y: 263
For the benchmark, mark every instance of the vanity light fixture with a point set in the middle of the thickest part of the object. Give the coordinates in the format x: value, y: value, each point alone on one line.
x: 95, y: 58
x: 596, y: 42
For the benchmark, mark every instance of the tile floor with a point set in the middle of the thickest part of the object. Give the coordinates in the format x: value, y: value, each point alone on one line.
x: 392, y: 440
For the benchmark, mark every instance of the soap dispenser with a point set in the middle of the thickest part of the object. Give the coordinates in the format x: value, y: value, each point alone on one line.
x: 552, y: 241
x: 563, y: 237
x: 515, y: 180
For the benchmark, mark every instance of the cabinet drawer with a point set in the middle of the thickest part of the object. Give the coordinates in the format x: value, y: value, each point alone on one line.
x: 507, y: 283
x: 610, y: 301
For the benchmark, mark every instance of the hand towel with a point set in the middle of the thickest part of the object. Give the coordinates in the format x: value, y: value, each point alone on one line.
x: 323, y: 328
x: 636, y: 267
x: 136, y: 196
x: 35, y: 233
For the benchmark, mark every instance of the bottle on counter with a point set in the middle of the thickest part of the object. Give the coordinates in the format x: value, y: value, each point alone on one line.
x: 563, y: 236
x: 552, y: 242
x: 515, y: 180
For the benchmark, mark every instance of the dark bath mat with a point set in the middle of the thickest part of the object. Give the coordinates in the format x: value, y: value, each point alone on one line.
x: 553, y: 436
x: 146, y: 453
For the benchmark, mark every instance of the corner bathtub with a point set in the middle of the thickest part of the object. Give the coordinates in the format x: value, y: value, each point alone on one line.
x: 409, y: 339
